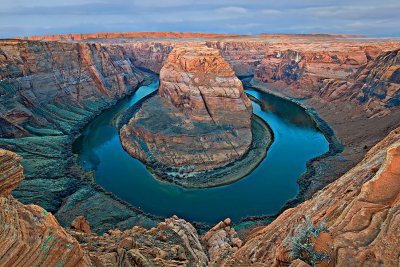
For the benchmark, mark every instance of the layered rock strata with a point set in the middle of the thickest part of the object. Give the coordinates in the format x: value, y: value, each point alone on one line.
x: 48, y: 91
x: 11, y: 172
x: 360, y: 105
x: 334, y: 73
x: 375, y: 85
x: 29, y: 235
x: 360, y: 211
x: 200, y: 119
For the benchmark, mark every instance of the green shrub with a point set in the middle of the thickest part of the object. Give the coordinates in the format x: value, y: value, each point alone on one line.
x: 302, y: 246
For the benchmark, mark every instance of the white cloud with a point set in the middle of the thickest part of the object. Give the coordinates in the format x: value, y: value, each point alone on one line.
x: 232, y: 10
x: 368, y: 17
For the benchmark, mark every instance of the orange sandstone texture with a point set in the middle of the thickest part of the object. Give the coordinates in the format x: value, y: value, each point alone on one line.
x: 81, y: 224
x: 29, y: 235
x: 360, y: 209
x: 173, y: 242
x: 11, y: 172
x: 199, y: 81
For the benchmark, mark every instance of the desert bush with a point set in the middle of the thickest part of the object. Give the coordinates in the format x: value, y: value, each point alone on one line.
x: 303, y: 247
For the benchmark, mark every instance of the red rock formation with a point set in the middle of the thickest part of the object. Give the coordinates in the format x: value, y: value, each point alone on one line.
x: 221, y: 242
x: 81, y: 224
x: 375, y: 85
x: 298, y: 68
x: 360, y: 209
x: 48, y: 91
x: 200, y: 119
x: 111, y: 35
x: 199, y: 81
x: 48, y: 75
x: 11, y: 172
x: 173, y: 242
x: 29, y: 235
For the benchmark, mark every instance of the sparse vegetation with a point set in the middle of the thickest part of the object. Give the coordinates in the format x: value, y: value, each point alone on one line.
x: 303, y: 247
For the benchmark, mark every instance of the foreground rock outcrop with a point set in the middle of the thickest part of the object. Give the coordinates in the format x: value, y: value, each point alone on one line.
x: 200, y: 119
x: 360, y: 211
x: 173, y: 242
x: 29, y: 235
x: 11, y: 172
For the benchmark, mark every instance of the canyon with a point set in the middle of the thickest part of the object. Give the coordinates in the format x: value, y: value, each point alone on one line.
x: 50, y: 87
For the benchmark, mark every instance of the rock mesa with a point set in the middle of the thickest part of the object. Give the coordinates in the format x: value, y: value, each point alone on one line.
x: 200, y: 118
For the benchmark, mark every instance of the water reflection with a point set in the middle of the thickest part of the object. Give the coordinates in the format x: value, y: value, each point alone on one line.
x: 288, y: 111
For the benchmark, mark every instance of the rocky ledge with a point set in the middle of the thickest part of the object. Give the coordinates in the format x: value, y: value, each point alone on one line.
x: 31, y: 236
x: 199, y: 121
x: 354, y: 221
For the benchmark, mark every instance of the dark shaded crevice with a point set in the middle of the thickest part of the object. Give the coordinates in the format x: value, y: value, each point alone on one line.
x: 225, y: 133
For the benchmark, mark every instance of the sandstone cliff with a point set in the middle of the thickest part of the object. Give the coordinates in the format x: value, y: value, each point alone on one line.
x: 347, y: 85
x: 298, y: 70
x: 360, y: 210
x: 29, y: 235
x: 48, y: 92
x: 200, y: 119
x: 11, y: 172
x: 200, y: 81
x: 375, y: 85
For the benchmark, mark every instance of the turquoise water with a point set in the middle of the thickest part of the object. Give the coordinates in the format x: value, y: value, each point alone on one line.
x: 263, y: 191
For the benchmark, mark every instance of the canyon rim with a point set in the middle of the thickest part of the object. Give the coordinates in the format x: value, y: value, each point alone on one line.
x: 199, y: 149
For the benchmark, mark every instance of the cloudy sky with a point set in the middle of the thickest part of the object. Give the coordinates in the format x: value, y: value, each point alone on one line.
x: 39, y: 17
